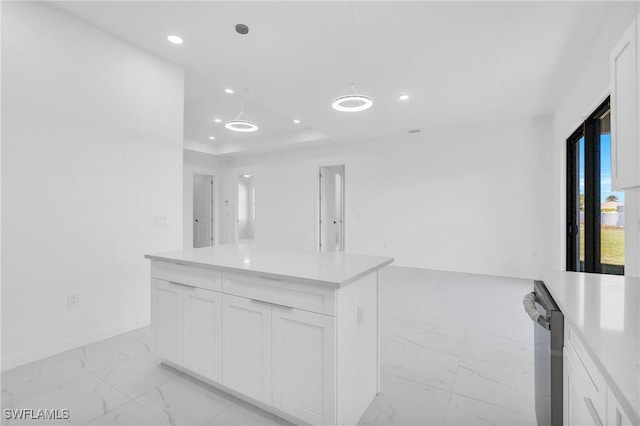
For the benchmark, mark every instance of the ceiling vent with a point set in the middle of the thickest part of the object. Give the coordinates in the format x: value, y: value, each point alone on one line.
x: 414, y: 131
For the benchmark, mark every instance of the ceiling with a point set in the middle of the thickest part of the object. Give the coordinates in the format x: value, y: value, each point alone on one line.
x: 460, y: 62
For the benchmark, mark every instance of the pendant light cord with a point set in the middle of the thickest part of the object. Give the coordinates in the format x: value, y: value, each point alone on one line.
x: 351, y: 44
x: 242, y: 82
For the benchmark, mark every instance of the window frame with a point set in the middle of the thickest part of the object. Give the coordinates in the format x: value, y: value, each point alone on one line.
x: 590, y: 129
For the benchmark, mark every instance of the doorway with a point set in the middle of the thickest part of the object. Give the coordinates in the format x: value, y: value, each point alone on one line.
x: 203, y: 227
x: 246, y: 207
x: 331, y: 236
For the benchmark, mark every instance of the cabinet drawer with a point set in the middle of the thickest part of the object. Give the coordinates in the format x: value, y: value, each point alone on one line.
x: 593, y: 383
x: 311, y: 298
x: 196, y: 276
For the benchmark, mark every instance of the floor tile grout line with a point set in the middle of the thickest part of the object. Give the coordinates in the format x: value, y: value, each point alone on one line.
x: 493, y: 404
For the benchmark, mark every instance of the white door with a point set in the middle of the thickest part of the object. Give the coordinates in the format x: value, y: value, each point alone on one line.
x: 202, y: 210
x: 246, y: 336
x: 624, y: 111
x: 332, y: 208
x: 166, y: 320
x: 203, y: 332
x: 304, y: 371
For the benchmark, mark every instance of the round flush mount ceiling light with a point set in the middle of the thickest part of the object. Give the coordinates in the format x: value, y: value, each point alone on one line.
x: 174, y: 39
x: 352, y: 103
x: 229, y: 91
x: 243, y: 126
x: 403, y: 97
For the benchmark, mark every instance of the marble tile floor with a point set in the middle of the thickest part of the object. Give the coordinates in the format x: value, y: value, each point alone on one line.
x: 457, y: 349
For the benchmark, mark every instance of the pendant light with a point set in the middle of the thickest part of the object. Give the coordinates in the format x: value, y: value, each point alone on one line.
x: 241, y: 123
x: 351, y: 100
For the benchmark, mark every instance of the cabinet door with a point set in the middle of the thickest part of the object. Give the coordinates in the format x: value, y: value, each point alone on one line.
x: 615, y: 414
x: 246, y: 342
x: 304, y: 368
x: 625, y: 158
x: 578, y: 408
x: 203, y: 332
x: 166, y: 320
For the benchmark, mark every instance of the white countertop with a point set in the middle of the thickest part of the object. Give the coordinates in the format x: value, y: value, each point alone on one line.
x: 329, y: 268
x: 605, y: 311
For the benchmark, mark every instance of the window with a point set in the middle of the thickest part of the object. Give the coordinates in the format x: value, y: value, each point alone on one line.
x: 595, y: 214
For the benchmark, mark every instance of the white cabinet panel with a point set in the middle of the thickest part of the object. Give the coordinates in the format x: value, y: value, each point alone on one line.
x: 192, y: 275
x: 615, y: 414
x: 203, y: 332
x: 304, y: 367
x: 578, y: 408
x: 308, y: 297
x: 166, y: 312
x: 625, y: 143
x: 247, y: 347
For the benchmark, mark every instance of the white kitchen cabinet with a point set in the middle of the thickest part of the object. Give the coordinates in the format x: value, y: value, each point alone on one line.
x: 304, y: 370
x: 187, y: 324
x: 280, y: 356
x: 625, y: 112
x: 579, y: 409
x: 203, y: 332
x: 588, y: 398
x: 615, y: 413
x: 247, y: 347
x: 295, y: 333
x: 166, y: 322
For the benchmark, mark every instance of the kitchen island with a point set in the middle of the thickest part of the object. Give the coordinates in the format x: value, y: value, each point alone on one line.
x: 601, y: 348
x: 293, y: 332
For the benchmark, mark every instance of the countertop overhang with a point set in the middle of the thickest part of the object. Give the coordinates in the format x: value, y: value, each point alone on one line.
x: 336, y: 269
x: 605, y: 311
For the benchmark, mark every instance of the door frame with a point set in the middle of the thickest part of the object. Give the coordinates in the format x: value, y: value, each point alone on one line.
x: 590, y: 130
x: 236, y: 207
x: 342, y: 224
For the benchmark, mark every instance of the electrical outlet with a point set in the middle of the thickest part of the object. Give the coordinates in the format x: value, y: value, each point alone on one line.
x: 73, y: 300
x: 360, y: 314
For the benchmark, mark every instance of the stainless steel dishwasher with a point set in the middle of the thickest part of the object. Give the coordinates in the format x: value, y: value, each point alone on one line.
x: 548, y: 345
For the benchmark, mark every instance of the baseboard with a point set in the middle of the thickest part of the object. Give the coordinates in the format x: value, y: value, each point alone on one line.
x: 239, y: 395
x: 71, y: 343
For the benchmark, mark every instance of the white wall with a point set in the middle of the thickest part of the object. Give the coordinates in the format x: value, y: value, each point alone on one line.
x: 468, y: 198
x: 583, y: 94
x: 91, y: 153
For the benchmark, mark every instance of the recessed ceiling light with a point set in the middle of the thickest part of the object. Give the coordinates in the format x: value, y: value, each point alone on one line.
x: 217, y: 120
x: 296, y: 121
x: 247, y: 175
x: 403, y: 97
x: 175, y: 39
x: 229, y: 91
x: 212, y: 137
